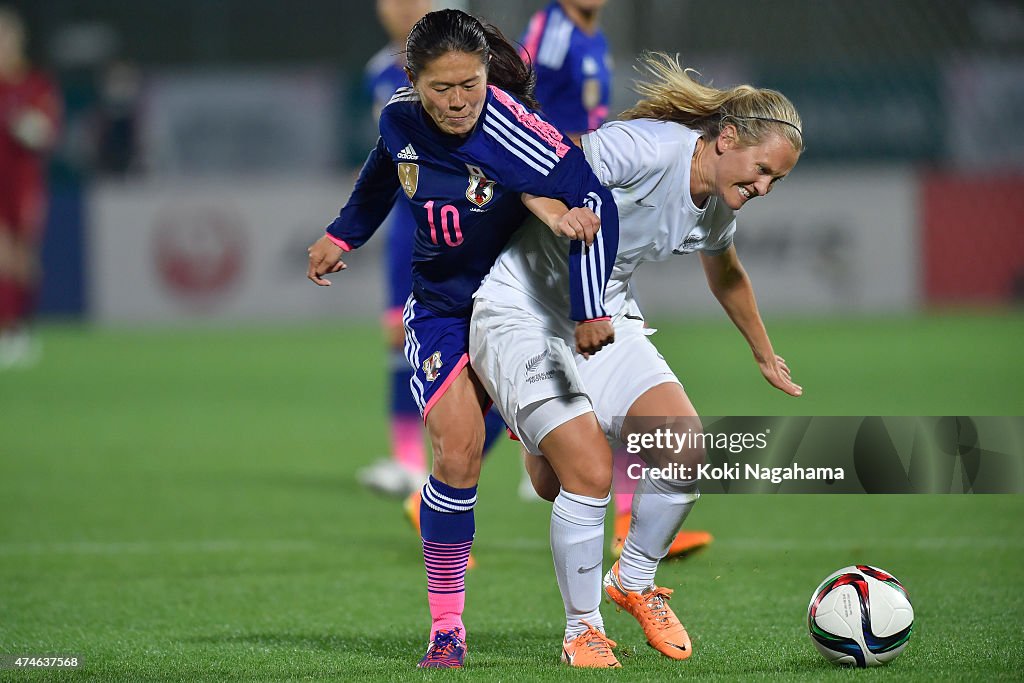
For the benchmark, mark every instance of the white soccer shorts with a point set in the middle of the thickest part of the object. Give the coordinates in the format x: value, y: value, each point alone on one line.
x: 523, y: 357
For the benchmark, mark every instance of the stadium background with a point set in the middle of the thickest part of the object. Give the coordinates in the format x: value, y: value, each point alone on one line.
x: 192, y: 430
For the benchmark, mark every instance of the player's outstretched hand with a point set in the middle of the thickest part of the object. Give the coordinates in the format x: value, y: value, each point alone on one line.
x: 592, y: 336
x: 579, y: 223
x: 777, y: 373
x: 324, y: 258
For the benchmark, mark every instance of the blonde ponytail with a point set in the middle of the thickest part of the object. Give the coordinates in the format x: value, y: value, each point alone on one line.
x: 672, y: 94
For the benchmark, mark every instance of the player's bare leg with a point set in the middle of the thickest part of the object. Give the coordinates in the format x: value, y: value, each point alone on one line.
x: 543, y: 479
x: 12, y: 338
x: 456, y: 428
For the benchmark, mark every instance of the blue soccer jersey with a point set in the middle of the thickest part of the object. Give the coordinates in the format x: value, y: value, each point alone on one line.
x: 385, y: 75
x: 465, y: 198
x: 574, y: 77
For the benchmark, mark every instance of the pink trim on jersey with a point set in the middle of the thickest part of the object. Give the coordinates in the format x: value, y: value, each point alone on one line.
x: 462, y: 362
x: 545, y: 130
x: 595, y: 320
x: 340, y: 242
x: 534, y: 33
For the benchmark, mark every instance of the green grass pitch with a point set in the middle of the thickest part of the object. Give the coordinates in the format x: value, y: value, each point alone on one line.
x: 180, y: 505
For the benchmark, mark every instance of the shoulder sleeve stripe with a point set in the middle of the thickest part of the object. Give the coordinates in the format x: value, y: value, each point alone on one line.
x: 527, y: 119
x: 539, y: 152
x: 531, y: 41
x: 536, y: 144
x: 555, y: 44
x: 505, y: 142
x: 404, y: 95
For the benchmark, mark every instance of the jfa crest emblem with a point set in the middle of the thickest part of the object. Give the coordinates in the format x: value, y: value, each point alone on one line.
x: 409, y: 176
x: 480, y: 189
x: 432, y: 365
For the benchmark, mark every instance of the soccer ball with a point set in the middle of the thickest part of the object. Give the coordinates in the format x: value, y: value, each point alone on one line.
x: 860, y: 615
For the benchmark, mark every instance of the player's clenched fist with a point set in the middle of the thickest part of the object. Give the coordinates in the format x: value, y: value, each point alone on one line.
x: 324, y: 258
x: 594, y: 335
x: 579, y: 223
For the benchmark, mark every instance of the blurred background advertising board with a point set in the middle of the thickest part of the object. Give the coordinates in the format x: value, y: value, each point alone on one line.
x: 905, y: 198
x: 219, y: 250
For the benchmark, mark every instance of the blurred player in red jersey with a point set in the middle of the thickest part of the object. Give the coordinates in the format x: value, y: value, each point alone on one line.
x: 567, y: 48
x: 29, y: 120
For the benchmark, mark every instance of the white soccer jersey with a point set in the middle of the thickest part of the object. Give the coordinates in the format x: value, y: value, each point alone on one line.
x: 646, y: 164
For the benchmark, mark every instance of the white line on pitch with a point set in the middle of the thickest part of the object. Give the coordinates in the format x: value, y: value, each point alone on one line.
x: 768, y: 543
x: 153, y: 547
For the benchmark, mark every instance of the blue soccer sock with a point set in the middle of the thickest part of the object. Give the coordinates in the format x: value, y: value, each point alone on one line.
x: 447, y: 527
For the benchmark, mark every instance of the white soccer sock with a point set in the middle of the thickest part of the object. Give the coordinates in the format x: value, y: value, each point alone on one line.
x: 659, y: 508
x: 577, y: 547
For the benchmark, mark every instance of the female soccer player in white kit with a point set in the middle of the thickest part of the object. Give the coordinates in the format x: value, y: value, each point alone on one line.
x: 686, y: 158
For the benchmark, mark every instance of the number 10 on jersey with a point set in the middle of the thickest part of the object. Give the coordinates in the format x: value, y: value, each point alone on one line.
x: 449, y: 223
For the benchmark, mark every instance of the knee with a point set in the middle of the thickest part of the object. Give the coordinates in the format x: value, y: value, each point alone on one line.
x: 594, y: 481
x: 597, y: 484
x: 457, y: 459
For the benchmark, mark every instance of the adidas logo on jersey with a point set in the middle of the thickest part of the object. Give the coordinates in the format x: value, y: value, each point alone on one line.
x: 408, y: 153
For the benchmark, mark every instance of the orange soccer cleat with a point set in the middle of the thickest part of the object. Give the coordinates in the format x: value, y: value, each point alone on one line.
x: 590, y: 649
x: 683, y: 544
x: 412, y: 513
x: 660, y: 624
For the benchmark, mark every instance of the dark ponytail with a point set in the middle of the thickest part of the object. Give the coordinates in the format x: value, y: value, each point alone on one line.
x: 452, y: 30
x: 507, y: 70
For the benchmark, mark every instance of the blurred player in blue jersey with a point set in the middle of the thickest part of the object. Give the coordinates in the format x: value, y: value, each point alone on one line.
x: 404, y: 472
x: 406, y: 469
x: 574, y: 82
x: 570, y: 54
x: 463, y: 148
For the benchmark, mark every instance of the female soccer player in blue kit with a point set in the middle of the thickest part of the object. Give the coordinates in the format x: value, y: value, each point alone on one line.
x: 462, y: 147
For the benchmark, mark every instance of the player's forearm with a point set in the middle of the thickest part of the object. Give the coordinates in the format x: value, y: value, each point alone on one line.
x: 736, y: 296
x: 546, y: 209
x: 369, y: 204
